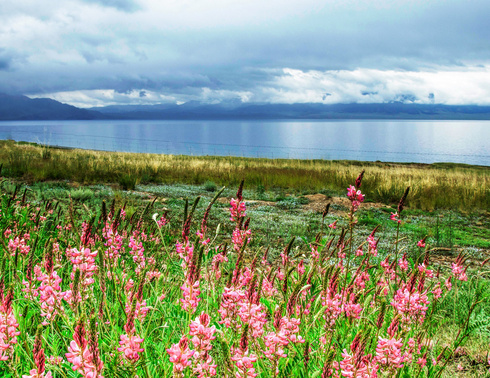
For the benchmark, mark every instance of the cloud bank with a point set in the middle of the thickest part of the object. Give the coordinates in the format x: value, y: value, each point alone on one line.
x: 100, y: 52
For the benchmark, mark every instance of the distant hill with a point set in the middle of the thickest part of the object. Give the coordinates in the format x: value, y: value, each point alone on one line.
x: 196, y: 110
x: 24, y: 108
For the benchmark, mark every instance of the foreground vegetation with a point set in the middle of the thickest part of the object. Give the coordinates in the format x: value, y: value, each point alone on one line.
x: 133, y: 288
x: 435, y: 186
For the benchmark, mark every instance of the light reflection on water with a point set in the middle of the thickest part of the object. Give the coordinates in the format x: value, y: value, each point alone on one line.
x: 385, y: 140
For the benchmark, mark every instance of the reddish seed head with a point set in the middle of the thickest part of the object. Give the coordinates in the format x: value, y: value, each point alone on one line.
x: 2, y: 288
x: 277, y: 318
x: 402, y: 200
x: 420, y: 287
x: 355, y: 343
x: 240, y: 190
x: 393, y: 328
x: 7, y: 301
x: 79, y: 335
x: 374, y: 231
x: 48, y: 261
x: 183, y: 343
x: 381, y: 318
x: 38, y: 352
x: 359, y: 179
x: 306, y: 354
x: 244, y: 339
x: 204, y: 319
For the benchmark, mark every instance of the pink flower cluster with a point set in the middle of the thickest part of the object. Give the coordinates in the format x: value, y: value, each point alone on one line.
x: 50, y: 294
x: 332, y: 303
x: 287, y: 332
x: 83, y: 260
x: 137, y: 250
x: 373, y: 245
x: 34, y: 373
x: 237, y: 209
x: 389, y: 353
x: 113, y: 242
x: 130, y: 345
x: 244, y: 362
x: 182, y: 356
x: 403, y: 263
x: 8, y: 326
x: 217, y: 260
x: 355, y: 196
x: 357, y: 366
x: 19, y: 244
x: 185, y: 252
x: 190, y: 296
x: 459, y: 271
x: 230, y: 306
x: 202, y: 335
x: 395, y: 217
x: 80, y: 355
x: 140, y: 311
x: 410, y: 304
x: 239, y: 237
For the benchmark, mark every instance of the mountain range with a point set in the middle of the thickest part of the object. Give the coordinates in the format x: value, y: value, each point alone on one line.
x: 17, y: 107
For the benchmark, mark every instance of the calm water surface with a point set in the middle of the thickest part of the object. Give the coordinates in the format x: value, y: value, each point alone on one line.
x: 384, y: 140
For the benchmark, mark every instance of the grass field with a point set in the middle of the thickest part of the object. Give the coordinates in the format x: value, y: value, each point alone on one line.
x: 435, y: 186
x: 98, y: 280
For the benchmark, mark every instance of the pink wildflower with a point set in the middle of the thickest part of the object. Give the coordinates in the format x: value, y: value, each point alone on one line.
x: 180, y: 355
x: 388, y: 352
x: 411, y: 305
x: 80, y: 355
x: 373, y: 245
x: 403, y: 263
x: 230, y: 306
x: 130, y: 346
x: 237, y: 209
x: 357, y: 366
x: 190, y: 296
x: 355, y: 196
x: 8, y: 327
x: 244, y: 362
x: 202, y: 337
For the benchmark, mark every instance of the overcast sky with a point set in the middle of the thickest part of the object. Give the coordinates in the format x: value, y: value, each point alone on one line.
x: 101, y: 52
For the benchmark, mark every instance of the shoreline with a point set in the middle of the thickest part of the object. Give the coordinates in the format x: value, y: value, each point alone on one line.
x: 433, y: 186
x: 437, y: 165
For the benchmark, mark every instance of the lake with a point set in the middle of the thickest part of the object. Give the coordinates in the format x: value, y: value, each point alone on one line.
x: 370, y: 140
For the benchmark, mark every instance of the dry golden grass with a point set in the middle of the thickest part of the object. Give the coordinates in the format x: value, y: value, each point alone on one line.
x: 432, y: 186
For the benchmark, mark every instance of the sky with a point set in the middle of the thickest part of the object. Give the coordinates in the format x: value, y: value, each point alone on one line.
x: 109, y: 52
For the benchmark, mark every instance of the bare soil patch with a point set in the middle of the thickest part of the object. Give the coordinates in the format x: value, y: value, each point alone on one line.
x: 317, y: 203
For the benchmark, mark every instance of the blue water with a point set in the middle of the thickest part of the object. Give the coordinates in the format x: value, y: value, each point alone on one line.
x: 370, y: 140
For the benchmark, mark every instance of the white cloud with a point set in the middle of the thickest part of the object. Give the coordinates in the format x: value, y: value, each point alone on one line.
x: 470, y: 86
x: 106, y: 97
x: 215, y: 50
x: 445, y: 86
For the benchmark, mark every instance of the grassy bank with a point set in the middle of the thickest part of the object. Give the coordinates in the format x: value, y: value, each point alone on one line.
x: 434, y: 186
